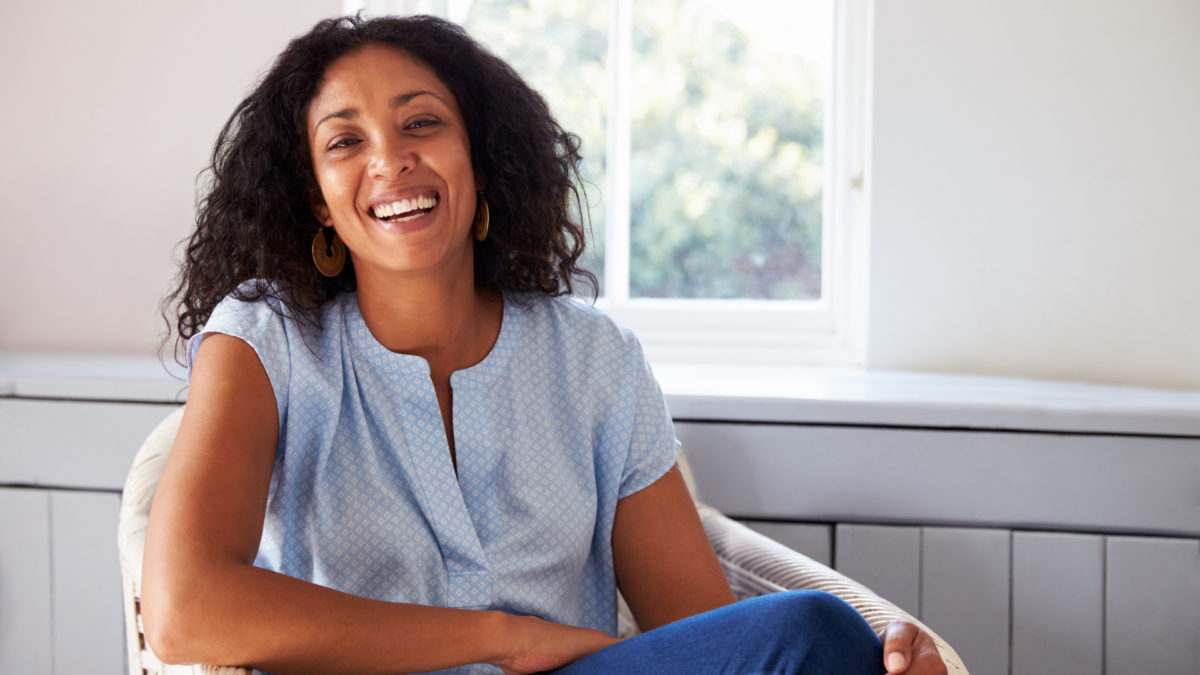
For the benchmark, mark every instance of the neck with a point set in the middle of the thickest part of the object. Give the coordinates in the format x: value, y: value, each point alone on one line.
x: 450, y: 323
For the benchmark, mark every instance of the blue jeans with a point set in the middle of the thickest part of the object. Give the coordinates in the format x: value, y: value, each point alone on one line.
x: 794, y: 632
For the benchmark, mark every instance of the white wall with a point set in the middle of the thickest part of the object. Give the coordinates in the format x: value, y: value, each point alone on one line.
x: 109, y: 112
x: 1035, y: 177
x: 1035, y: 189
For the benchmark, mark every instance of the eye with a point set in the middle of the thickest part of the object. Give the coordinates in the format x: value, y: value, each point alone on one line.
x: 342, y: 143
x: 422, y: 123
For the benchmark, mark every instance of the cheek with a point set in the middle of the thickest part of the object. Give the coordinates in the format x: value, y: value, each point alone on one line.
x: 337, y: 188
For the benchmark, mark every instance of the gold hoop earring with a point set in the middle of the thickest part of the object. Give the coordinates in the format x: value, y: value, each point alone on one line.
x: 482, y: 218
x: 329, y: 255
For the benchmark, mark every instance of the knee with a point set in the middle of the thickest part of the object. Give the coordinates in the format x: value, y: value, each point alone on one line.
x: 816, y: 610
x: 828, y: 628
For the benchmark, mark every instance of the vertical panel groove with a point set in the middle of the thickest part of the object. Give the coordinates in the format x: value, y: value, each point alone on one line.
x: 921, y: 576
x: 50, y: 557
x: 1011, y: 593
x: 1104, y: 606
x: 833, y: 547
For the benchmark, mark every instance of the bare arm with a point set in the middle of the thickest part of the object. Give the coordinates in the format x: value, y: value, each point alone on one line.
x: 665, y: 566
x: 203, y: 601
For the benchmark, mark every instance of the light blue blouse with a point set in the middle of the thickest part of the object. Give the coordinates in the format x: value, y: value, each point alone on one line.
x: 560, y: 420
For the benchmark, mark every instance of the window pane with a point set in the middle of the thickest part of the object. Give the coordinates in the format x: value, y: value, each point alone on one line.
x: 727, y: 175
x: 561, y: 48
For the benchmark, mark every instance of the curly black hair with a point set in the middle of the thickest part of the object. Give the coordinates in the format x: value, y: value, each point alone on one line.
x: 254, y: 217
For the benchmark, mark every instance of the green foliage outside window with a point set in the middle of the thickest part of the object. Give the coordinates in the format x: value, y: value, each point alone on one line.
x: 726, y: 172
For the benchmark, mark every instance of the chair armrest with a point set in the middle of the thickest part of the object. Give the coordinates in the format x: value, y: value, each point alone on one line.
x: 756, y: 565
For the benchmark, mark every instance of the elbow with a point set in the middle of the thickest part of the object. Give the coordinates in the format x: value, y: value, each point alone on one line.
x: 167, y: 647
x: 187, y: 618
x: 167, y: 628
x: 182, y: 622
x: 186, y: 608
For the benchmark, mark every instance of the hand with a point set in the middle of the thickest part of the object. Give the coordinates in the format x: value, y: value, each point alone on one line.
x: 539, y: 645
x: 910, y: 650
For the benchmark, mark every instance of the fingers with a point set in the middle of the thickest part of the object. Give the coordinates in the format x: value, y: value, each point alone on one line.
x: 909, y: 650
x: 898, y: 640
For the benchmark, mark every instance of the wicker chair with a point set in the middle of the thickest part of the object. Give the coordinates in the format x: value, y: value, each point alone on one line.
x: 754, y: 565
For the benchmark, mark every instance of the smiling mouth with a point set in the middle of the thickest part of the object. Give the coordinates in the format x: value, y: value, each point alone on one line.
x: 404, y: 210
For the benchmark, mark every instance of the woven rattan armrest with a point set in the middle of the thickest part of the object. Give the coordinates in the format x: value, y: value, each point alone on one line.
x: 755, y: 565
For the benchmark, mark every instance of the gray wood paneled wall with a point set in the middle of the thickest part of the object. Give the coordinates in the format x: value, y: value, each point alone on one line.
x: 1011, y: 569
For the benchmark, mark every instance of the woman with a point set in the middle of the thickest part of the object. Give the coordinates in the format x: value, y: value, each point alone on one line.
x: 419, y: 454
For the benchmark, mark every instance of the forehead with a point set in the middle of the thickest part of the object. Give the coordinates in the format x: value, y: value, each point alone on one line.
x: 373, y: 73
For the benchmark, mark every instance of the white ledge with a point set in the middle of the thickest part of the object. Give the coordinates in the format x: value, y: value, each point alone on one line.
x: 101, y: 377
x: 736, y: 394
x: 927, y: 400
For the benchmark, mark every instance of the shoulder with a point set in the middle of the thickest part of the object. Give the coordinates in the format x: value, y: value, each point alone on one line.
x: 257, y: 312
x: 570, y: 318
x: 288, y: 347
x: 253, y: 301
x: 576, y: 340
x: 259, y: 301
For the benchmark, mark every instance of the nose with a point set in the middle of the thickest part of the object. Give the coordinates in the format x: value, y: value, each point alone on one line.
x: 392, y: 157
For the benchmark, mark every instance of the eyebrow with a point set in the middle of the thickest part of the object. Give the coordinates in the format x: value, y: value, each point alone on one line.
x: 395, y: 102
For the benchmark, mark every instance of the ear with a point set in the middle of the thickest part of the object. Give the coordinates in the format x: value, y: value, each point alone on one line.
x: 480, y: 182
x: 321, y: 212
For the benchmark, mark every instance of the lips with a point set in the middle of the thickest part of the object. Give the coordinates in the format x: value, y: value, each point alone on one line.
x: 404, y: 209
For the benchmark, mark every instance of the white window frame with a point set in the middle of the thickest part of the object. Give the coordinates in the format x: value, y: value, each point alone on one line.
x: 830, y: 331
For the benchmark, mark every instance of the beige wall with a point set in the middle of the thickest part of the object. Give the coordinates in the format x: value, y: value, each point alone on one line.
x: 1036, y: 189
x: 1034, y: 175
x: 109, y: 112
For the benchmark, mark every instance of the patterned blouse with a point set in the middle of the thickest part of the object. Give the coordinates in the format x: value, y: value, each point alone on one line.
x: 561, y: 420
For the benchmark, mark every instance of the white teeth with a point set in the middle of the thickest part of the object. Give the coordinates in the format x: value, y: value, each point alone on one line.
x: 405, y: 205
x: 405, y: 219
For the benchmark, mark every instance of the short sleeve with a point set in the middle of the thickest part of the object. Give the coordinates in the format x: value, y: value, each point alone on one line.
x: 259, y: 326
x: 653, y: 448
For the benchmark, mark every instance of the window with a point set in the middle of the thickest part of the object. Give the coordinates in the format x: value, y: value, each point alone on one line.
x: 723, y: 147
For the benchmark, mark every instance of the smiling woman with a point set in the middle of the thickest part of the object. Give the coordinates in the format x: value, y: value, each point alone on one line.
x: 426, y: 457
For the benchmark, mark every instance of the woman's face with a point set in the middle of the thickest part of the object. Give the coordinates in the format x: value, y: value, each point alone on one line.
x: 393, y: 162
